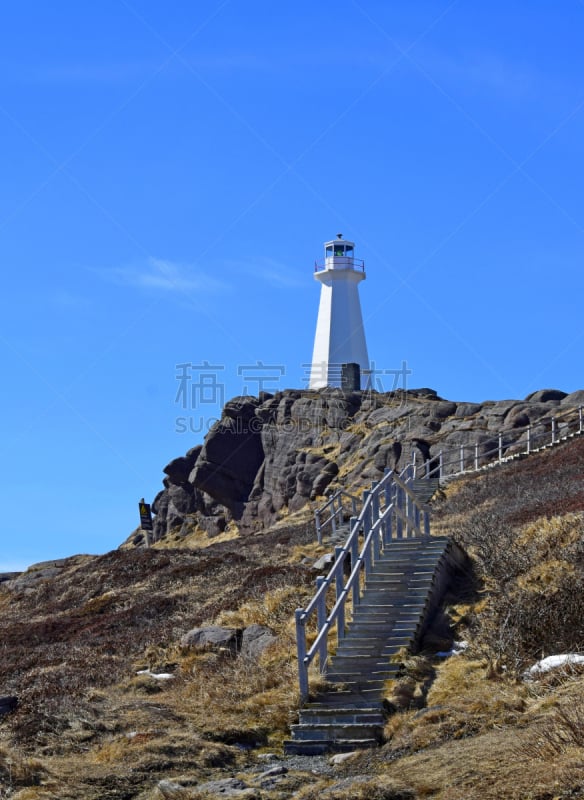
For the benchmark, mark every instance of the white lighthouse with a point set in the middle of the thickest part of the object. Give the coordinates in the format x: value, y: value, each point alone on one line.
x: 340, y: 337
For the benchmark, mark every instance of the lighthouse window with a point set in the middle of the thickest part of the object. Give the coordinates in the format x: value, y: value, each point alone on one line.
x: 329, y: 251
x: 349, y: 251
x: 339, y: 251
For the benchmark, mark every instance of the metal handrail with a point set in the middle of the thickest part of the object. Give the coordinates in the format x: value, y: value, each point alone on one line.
x: 357, y: 264
x: 469, y: 458
x: 390, y: 511
x: 545, y: 432
x: 336, y: 514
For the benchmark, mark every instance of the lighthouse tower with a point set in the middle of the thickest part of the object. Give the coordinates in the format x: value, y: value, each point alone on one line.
x: 340, y: 337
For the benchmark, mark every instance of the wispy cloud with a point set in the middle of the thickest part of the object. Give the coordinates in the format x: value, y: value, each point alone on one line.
x: 275, y: 273
x: 490, y: 71
x: 164, y: 275
x: 84, y: 72
x: 64, y: 299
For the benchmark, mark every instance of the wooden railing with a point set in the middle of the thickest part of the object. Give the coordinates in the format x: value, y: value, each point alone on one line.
x: 390, y: 511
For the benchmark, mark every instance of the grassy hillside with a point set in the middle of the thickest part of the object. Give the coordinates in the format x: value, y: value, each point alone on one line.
x: 469, y: 726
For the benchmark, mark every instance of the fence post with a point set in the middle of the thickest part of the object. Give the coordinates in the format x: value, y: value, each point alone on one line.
x: 354, y: 506
x: 580, y: 418
x: 528, y: 439
x: 462, y: 458
x: 318, y: 528
x: 500, y: 447
x: 553, y: 430
x: 441, y: 466
x: 476, y: 455
x: 301, y: 651
x: 320, y: 623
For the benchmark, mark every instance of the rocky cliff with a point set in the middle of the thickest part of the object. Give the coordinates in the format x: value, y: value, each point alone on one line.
x: 271, y: 455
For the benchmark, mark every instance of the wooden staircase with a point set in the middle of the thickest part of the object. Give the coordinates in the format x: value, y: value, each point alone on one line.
x: 400, y: 594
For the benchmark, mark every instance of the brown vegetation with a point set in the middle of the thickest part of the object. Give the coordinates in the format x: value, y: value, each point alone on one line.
x: 469, y: 726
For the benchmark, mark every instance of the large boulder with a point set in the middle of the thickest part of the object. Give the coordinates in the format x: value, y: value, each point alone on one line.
x: 179, y: 469
x: 546, y: 396
x: 213, y: 637
x: 255, y: 639
x: 231, y: 456
x: 8, y: 704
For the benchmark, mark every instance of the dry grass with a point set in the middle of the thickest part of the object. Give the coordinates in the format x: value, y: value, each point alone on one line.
x: 17, y: 771
x: 464, y: 700
x: 377, y: 788
x: 468, y: 727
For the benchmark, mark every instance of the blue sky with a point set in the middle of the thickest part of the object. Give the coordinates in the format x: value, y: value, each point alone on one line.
x: 170, y: 172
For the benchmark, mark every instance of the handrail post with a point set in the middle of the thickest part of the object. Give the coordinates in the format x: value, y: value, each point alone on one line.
x: 318, y: 526
x: 367, y: 560
x: 375, y: 505
x: 462, y: 458
x: 399, y: 502
x: 387, y: 487
x: 441, y: 465
x: 354, y: 556
x: 374, y: 520
x: 339, y: 591
x: 320, y: 623
x: 581, y: 420
x: 377, y: 542
x: 333, y: 519
x: 367, y: 515
x: 426, y: 523
x: 500, y: 447
x: 388, y: 522
x: 301, y: 651
x: 476, y: 455
x: 553, y: 430
x: 528, y: 439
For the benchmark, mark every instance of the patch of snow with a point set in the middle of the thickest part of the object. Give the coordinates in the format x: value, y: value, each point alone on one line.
x: 159, y: 676
x: 457, y: 649
x: 552, y: 662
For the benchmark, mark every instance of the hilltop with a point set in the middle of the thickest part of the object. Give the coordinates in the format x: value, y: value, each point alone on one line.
x: 114, y: 704
x: 273, y: 455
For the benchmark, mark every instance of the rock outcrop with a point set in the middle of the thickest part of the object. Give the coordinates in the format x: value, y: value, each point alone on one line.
x: 272, y: 455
